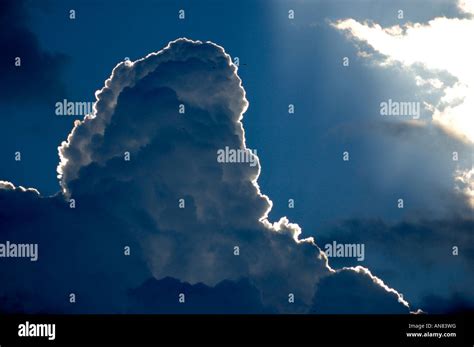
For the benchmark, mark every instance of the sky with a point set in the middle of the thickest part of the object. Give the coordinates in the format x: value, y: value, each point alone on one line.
x: 422, y: 56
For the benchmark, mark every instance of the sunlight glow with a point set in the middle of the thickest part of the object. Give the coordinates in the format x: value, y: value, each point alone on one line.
x: 442, y: 44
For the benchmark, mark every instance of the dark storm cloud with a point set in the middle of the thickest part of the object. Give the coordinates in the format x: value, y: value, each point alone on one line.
x: 227, y: 297
x: 80, y: 251
x: 39, y: 77
x: 173, y: 156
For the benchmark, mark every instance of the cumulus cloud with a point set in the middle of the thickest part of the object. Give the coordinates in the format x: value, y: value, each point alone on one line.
x: 137, y: 202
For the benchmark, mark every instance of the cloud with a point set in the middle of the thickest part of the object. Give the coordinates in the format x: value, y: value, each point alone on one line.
x: 162, y: 296
x: 415, y: 256
x: 363, y: 284
x: 438, y: 47
x: 438, y: 56
x: 137, y: 202
x: 10, y: 186
x: 467, y: 7
x: 80, y: 251
x: 433, y: 46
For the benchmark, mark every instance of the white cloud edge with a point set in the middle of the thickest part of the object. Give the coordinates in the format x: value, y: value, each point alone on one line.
x: 7, y: 185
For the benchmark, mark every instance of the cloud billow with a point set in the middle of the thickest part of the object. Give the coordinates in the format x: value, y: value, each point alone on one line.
x: 137, y: 202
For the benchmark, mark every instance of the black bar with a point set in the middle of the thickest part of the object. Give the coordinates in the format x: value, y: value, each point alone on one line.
x: 228, y: 329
